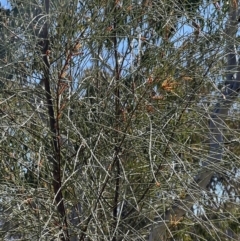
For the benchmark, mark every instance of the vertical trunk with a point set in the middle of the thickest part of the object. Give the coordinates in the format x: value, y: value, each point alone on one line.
x: 56, y: 162
x: 117, y: 116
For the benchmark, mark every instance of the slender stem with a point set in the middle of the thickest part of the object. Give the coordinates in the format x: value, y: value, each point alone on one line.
x: 53, y: 126
x: 117, y: 116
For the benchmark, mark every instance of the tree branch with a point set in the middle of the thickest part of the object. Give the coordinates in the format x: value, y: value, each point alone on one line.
x: 55, y: 162
x: 216, y: 127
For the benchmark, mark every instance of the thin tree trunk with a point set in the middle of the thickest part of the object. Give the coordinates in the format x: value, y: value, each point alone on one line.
x: 56, y: 163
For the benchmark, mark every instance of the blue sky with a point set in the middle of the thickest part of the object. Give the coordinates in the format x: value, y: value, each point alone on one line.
x: 4, y: 3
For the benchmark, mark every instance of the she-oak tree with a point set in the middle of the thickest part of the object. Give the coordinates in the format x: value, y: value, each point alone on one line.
x: 119, y: 120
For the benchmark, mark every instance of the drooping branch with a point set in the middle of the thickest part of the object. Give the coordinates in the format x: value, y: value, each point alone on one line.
x: 216, y: 127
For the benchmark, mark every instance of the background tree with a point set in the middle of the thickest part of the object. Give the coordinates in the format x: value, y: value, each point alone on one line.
x: 115, y: 123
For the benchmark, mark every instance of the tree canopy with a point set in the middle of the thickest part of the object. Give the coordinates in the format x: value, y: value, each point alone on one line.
x: 119, y: 120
